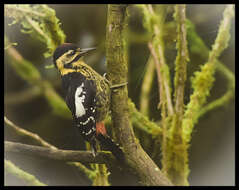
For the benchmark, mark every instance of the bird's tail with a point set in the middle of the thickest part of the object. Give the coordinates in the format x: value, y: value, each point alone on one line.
x: 108, y: 143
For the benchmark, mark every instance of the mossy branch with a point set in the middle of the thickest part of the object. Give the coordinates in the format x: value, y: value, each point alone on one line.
x: 225, y: 98
x: 181, y: 59
x: 29, y: 179
x: 72, y: 157
x: 137, y: 159
x: 40, y: 22
x: 197, y: 46
x: 142, y: 122
x: 60, y: 155
x: 175, y: 156
x: 177, y: 143
x: 101, y: 175
x: 203, y: 80
x: 146, y: 86
x: 154, y: 24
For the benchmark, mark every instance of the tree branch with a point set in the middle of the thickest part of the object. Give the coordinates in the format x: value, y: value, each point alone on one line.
x: 198, y: 47
x: 146, y: 86
x: 175, y: 155
x: 60, y: 155
x: 153, y: 23
x: 181, y: 60
x: 137, y: 159
x: 203, y: 80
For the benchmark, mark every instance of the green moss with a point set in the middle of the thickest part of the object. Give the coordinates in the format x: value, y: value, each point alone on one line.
x: 40, y: 22
x: 197, y: 46
x: 203, y: 80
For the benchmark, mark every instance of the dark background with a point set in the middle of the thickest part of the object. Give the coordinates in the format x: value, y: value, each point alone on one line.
x: 212, y: 151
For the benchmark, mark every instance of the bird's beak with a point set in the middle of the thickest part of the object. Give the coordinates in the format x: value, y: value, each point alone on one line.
x: 85, y: 51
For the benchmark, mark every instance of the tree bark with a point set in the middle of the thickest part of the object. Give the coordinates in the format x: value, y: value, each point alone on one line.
x: 136, y: 157
x: 61, y: 155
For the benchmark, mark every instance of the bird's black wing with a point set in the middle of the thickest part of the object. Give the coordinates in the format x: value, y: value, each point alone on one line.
x: 80, y: 99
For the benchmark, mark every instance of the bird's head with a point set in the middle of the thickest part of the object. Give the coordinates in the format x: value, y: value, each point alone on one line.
x: 67, y: 54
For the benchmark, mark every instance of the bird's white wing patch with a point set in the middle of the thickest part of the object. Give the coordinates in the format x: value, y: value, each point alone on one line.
x: 79, y: 99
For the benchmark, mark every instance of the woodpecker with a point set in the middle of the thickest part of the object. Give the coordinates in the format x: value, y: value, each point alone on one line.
x: 87, y: 95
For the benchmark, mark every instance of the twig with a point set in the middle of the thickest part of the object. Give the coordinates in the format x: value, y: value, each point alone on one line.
x: 162, y: 100
x: 36, y: 28
x: 225, y: 97
x: 81, y: 167
x: 146, y: 86
x: 159, y: 54
x: 160, y: 78
x: 181, y: 59
x: 154, y: 24
x: 32, y: 136
x: 165, y: 81
x: 161, y: 94
x: 175, y: 156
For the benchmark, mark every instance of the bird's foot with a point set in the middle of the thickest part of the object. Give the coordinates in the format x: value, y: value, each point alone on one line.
x: 105, y: 78
x: 115, y: 85
x: 93, y: 148
x: 118, y: 85
x: 94, y: 152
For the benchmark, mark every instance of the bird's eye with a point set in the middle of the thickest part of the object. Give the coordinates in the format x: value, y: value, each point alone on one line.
x: 72, y: 52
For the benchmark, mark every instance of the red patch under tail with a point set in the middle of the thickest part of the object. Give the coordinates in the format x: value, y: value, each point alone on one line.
x: 100, y: 128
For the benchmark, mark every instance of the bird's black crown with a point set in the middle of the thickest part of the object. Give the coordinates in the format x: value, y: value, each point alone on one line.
x: 60, y: 50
